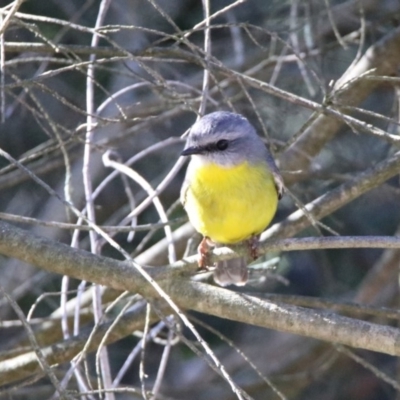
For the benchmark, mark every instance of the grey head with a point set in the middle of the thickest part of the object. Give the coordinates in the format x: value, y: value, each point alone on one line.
x: 225, y: 138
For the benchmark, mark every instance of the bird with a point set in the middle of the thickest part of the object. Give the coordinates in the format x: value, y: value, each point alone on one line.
x: 231, y: 189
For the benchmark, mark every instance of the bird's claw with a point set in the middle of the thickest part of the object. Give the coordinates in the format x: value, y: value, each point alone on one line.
x: 252, y: 244
x: 203, y: 252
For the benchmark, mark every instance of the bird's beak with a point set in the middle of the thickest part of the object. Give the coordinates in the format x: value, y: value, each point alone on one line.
x: 191, y: 150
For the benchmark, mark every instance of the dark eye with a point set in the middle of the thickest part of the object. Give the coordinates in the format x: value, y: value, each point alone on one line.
x: 222, y: 144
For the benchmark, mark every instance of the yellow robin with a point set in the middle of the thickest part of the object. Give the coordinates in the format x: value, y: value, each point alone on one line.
x: 231, y: 189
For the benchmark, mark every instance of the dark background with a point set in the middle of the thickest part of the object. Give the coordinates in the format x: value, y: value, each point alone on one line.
x: 45, y: 104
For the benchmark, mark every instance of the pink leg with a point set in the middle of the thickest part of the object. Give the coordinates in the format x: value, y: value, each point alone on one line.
x: 202, y: 251
x: 252, y: 244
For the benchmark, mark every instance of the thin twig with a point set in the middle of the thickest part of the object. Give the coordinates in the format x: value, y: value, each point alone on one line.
x: 41, y: 355
x: 6, y: 21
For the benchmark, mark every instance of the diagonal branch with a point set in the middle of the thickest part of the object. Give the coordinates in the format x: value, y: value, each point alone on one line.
x: 60, y: 258
x: 350, y: 90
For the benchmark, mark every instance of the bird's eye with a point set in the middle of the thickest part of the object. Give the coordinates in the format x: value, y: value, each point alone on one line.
x: 222, y: 144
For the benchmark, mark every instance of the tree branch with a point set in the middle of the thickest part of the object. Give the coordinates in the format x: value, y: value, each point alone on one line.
x: 60, y: 258
x: 350, y: 90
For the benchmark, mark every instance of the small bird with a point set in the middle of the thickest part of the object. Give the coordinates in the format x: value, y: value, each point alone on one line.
x: 231, y: 189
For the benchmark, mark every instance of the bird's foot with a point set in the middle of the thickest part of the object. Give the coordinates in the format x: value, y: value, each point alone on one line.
x: 252, y: 244
x: 203, y: 252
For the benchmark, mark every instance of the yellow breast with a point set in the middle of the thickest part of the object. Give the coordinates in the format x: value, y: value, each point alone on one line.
x: 229, y: 204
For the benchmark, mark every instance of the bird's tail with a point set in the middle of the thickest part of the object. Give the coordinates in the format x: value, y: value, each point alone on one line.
x: 231, y: 272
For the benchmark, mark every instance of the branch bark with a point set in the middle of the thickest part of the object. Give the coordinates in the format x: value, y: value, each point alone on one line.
x: 350, y: 90
x: 60, y: 258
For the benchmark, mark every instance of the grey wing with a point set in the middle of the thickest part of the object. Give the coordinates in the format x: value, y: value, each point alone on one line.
x: 280, y: 187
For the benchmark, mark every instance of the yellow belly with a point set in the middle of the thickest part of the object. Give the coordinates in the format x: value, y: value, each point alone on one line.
x: 230, y: 204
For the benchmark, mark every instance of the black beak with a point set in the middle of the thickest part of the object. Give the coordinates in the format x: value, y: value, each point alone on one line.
x: 192, y: 150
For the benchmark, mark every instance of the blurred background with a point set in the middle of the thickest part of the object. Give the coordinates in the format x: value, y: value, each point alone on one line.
x: 145, y: 91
